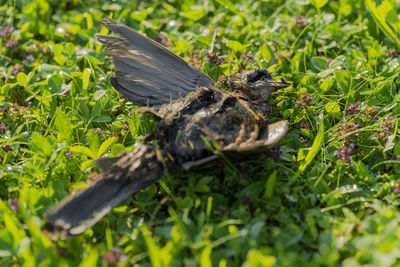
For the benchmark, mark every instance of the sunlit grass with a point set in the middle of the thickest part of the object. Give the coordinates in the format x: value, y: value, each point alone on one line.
x: 327, y: 196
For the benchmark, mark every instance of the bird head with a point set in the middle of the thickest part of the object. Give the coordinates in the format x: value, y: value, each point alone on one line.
x: 257, y: 83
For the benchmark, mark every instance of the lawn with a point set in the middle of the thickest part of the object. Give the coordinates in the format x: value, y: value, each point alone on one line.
x: 328, y: 195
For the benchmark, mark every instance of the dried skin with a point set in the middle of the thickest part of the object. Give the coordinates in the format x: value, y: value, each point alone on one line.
x: 205, y: 114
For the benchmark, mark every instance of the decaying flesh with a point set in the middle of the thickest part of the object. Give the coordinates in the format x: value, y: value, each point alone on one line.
x: 202, y: 122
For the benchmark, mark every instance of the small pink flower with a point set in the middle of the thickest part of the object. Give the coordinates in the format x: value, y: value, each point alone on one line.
x: 301, y: 22
x: 11, y: 42
x: 68, y: 154
x: 114, y: 256
x: 99, y: 131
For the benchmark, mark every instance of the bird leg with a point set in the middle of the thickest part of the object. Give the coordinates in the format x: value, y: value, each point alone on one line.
x: 187, y: 166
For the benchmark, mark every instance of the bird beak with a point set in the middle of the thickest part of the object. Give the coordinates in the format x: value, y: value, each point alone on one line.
x: 278, y: 84
x: 269, y: 86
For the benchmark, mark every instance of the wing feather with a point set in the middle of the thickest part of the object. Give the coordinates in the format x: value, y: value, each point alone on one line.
x: 146, y: 72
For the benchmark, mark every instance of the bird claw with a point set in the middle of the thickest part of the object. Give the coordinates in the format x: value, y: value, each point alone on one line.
x: 251, y: 146
x: 240, y: 143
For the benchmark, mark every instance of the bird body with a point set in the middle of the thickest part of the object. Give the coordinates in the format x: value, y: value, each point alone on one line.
x: 191, y: 130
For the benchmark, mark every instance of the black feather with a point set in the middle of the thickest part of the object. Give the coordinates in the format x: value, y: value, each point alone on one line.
x: 124, y: 175
x: 146, y: 72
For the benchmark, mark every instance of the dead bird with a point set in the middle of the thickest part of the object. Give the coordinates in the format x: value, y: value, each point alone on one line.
x: 201, y: 122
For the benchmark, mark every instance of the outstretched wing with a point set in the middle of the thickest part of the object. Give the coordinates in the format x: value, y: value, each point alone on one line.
x: 146, y: 72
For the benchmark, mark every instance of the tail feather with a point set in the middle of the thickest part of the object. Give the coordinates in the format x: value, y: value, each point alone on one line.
x: 131, y: 173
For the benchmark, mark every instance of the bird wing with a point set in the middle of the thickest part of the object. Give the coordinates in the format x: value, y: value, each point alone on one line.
x: 146, y: 72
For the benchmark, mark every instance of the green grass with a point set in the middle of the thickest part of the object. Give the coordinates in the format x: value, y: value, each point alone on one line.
x: 327, y: 196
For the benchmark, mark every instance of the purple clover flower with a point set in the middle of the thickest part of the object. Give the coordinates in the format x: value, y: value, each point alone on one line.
x: 304, y: 100
x: 214, y: 57
x: 6, y: 32
x: 275, y: 152
x: 245, y: 59
x: 388, y: 123
x: 248, y: 56
x: 221, y: 61
x: 194, y: 59
x: 305, y: 125
x: 371, y: 111
x: 7, y: 148
x: 14, y: 203
x: 397, y: 187
x: 345, y: 152
x: 349, y: 127
x: 384, y: 133
x: 17, y: 68
x: 353, y: 108
x: 43, y: 50
x: 3, y: 128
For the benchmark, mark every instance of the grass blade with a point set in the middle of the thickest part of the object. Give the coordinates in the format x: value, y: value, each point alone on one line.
x: 383, y: 26
x: 315, y: 147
